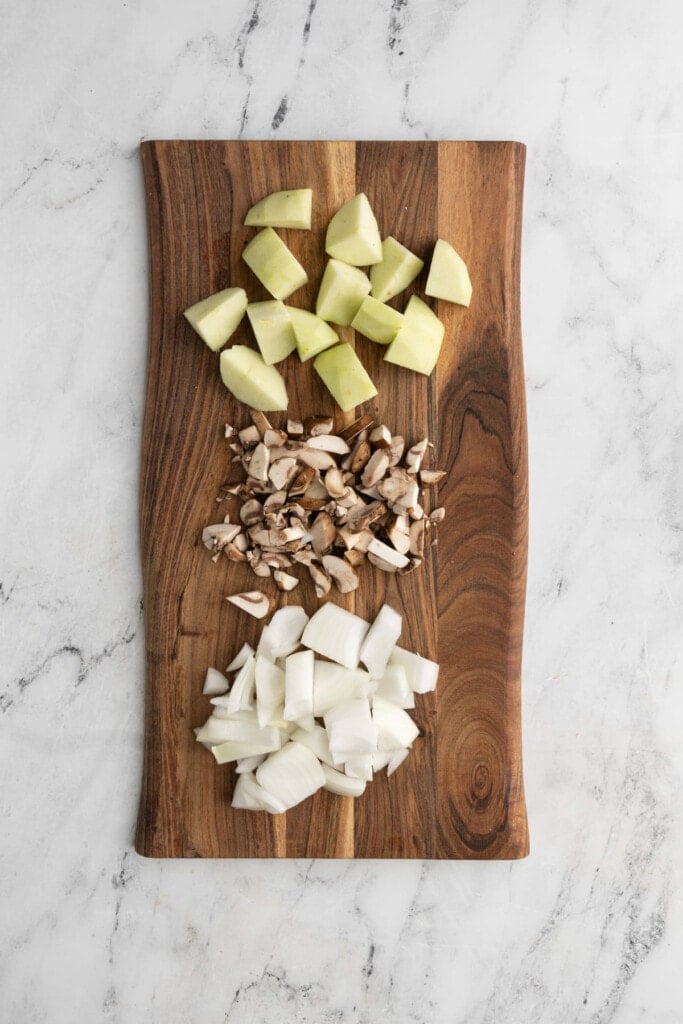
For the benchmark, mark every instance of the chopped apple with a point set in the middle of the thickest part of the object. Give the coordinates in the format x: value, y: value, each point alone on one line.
x: 353, y: 235
x: 216, y: 318
x: 344, y: 376
x: 276, y: 267
x: 418, y: 341
x: 272, y: 329
x: 313, y: 335
x: 398, y: 268
x: 251, y: 380
x: 448, y: 277
x: 342, y: 291
x: 377, y: 321
x: 290, y: 209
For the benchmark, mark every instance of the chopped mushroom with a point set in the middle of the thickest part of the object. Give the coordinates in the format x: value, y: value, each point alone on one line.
x: 375, y: 468
x: 258, y: 464
x: 355, y: 428
x: 396, y: 449
x: 322, y: 533
x: 329, y: 443
x: 429, y: 477
x: 415, y: 456
x: 317, y: 425
x: 334, y: 482
x: 260, y: 421
x: 252, y: 601
x: 249, y: 437
x: 321, y: 580
x: 417, y: 538
x: 284, y: 580
x: 398, y: 532
x: 437, y: 515
x: 381, y: 436
x: 343, y: 574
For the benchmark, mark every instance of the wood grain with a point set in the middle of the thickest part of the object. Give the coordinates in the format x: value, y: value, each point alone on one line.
x: 460, y: 793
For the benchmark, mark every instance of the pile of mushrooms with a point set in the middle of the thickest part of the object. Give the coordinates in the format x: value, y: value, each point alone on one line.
x: 327, y: 501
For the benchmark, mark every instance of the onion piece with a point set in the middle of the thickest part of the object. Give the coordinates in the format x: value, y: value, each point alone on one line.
x: 380, y: 641
x: 249, y: 764
x: 342, y: 785
x: 317, y: 740
x: 359, y: 767
x: 215, y: 683
x: 351, y: 728
x: 299, y: 689
x: 397, y: 758
x: 422, y: 673
x: 249, y: 795
x: 393, y: 686
x: 232, y: 750
x: 242, y: 693
x: 270, y: 690
x: 381, y: 759
x: 240, y: 658
x: 337, y: 634
x: 292, y: 774
x: 333, y: 684
x: 395, y: 726
x: 285, y: 629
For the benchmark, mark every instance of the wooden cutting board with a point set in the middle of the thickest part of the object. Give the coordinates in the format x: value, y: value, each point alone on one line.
x: 460, y: 793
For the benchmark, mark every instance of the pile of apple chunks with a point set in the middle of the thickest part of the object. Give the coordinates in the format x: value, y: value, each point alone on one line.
x: 347, y: 297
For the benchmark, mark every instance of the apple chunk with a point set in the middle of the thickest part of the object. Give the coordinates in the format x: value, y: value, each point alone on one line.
x: 353, y: 235
x: 342, y: 291
x: 398, y: 268
x: 448, y: 277
x: 377, y: 321
x: 272, y: 329
x: 216, y: 318
x: 290, y: 209
x: 251, y: 380
x: 312, y: 333
x: 276, y: 267
x: 344, y: 376
x: 418, y: 341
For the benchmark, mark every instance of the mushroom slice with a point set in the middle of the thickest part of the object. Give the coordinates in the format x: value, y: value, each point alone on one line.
x: 259, y: 567
x: 355, y: 428
x: 321, y: 580
x: 295, y: 428
x: 348, y: 498
x: 361, y: 515
x: 315, y: 458
x: 363, y: 541
x: 274, y: 502
x: 430, y: 477
x: 241, y: 542
x: 322, y: 533
x: 260, y: 421
x: 305, y: 556
x: 314, y: 504
x: 381, y: 563
x: 387, y: 554
x: 277, y: 560
x: 415, y: 455
x: 234, y: 553
x: 329, y: 443
x: 251, y: 512
x: 229, y: 431
x: 282, y: 472
x: 334, y: 482
x: 413, y: 564
x: 316, y: 489
x: 301, y: 482
x: 375, y: 468
x: 343, y: 574
x: 416, y: 512
x: 360, y: 457
x: 398, y: 532
x: 252, y: 601
x: 417, y: 538
x: 437, y: 515
x: 396, y: 449
x: 274, y: 438
x: 249, y: 437
x: 380, y: 437
x: 259, y: 462
x: 355, y: 557
x: 216, y: 537
x: 284, y: 580
x: 317, y: 425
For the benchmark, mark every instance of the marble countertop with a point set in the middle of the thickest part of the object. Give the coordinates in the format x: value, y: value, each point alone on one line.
x: 590, y: 927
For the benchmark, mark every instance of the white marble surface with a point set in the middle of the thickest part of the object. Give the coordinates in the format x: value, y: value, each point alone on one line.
x: 590, y: 927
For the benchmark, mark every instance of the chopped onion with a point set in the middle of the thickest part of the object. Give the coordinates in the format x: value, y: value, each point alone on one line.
x: 270, y: 690
x: 317, y: 740
x: 249, y: 795
x: 396, y: 727
x: 422, y: 673
x: 393, y: 686
x: 231, y: 750
x: 333, y: 684
x: 342, y: 785
x: 249, y: 764
x: 250, y: 733
x: 380, y: 641
x: 299, y: 689
x: 381, y: 759
x: 215, y: 683
x: 359, y: 767
x: 242, y: 693
x: 336, y: 634
x: 397, y: 758
x: 240, y: 658
x: 351, y: 728
x: 285, y: 629
x: 291, y: 775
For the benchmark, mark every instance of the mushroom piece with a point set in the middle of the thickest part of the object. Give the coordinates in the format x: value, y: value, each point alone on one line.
x: 437, y: 515
x: 229, y: 431
x: 260, y: 421
x: 363, y: 539
x: 285, y: 580
x: 251, y: 601
x: 273, y: 438
x: 276, y: 560
x: 413, y: 564
x: 315, y: 458
x: 415, y: 455
x: 216, y: 537
x: 381, y: 563
x: 380, y: 436
x: 429, y: 477
x: 387, y: 554
x: 321, y: 580
x: 348, y: 498
x: 361, y: 515
x: 282, y: 472
x: 331, y: 443
x: 317, y: 489
x: 251, y: 512
x: 317, y: 425
x: 301, y: 482
x: 416, y: 512
x: 241, y: 542
x: 249, y: 437
x: 398, y: 532
x: 375, y: 468
x: 259, y: 462
x: 343, y: 574
x: 360, y: 457
x: 396, y: 484
x: 305, y: 556
x: 417, y: 538
x: 295, y: 428
x: 355, y: 428
x: 234, y: 553
x: 355, y: 557
x: 396, y: 449
x: 274, y: 502
x: 322, y: 533
x: 334, y: 482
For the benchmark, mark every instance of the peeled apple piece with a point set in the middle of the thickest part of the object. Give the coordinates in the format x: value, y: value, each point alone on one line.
x: 449, y: 277
x: 215, y: 683
x: 288, y: 209
x: 418, y: 341
x: 291, y: 775
x: 341, y: 293
x: 312, y: 333
x: 345, y: 377
x: 251, y: 381
x: 272, y: 329
x: 276, y: 267
x: 421, y: 672
x: 378, y: 322
x: 398, y: 268
x: 216, y: 318
x: 395, y: 726
x: 352, y: 234
x: 380, y: 641
x: 299, y: 689
x: 337, y: 634
x: 342, y: 785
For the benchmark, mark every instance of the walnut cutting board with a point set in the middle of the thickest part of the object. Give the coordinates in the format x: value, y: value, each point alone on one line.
x: 460, y: 793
